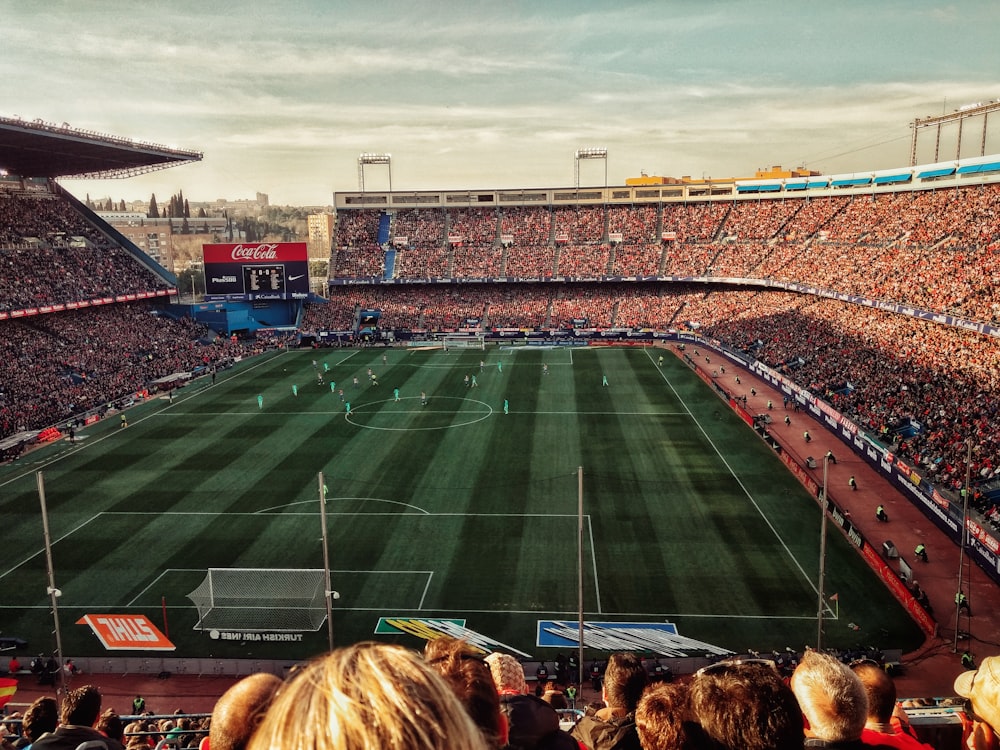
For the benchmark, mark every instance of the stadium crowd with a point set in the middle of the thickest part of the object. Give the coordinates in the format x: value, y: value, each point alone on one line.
x: 69, y: 260
x: 55, y: 368
x: 373, y: 695
x: 933, y: 249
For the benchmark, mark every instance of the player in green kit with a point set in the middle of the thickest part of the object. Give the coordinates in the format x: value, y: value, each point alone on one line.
x: 395, y: 394
x: 260, y: 401
x: 295, y: 390
x: 505, y: 407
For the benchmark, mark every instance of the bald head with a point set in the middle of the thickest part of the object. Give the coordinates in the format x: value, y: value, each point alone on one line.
x: 240, y: 709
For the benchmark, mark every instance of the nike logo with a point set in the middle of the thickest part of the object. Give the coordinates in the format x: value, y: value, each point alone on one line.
x: 293, y: 278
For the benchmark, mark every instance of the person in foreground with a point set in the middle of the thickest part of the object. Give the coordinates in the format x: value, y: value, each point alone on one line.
x: 614, y: 725
x: 81, y: 708
x: 240, y: 710
x: 832, y: 699
x: 745, y: 705
x: 532, y: 724
x: 883, y: 726
x: 982, y: 689
x: 465, y: 670
x: 369, y: 696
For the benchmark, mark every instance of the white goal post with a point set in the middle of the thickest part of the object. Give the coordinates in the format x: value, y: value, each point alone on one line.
x: 261, y: 600
x: 468, y: 341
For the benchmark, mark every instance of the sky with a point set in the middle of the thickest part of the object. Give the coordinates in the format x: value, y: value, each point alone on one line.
x: 283, y: 97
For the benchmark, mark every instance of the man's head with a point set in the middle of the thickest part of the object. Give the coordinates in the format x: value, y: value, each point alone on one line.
x: 42, y: 716
x: 508, y: 674
x: 240, y: 709
x: 982, y: 688
x: 663, y: 719
x: 81, y: 707
x: 465, y: 670
x: 831, y: 697
x: 746, y: 706
x: 879, y: 688
x: 624, y: 680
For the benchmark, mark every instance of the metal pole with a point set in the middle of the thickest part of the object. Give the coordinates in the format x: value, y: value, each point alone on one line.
x: 52, y: 591
x: 961, y: 542
x: 327, y: 587
x: 579, y: 568
x: 822, y: 554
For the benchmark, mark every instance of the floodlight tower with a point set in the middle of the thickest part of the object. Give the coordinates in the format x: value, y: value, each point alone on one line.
x: 590, y: 153
x: 373, y: 159
x: 959, y: 116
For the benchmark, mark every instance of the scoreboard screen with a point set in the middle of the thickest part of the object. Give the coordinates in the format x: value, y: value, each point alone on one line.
x: 264, y: 278
x: 261, y: 271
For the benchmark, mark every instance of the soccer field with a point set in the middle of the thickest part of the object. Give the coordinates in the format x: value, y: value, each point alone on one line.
x: 452, y: 508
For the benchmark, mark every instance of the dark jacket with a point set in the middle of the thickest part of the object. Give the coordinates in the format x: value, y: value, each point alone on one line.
x: 534, y: 724
x: 611, y: 733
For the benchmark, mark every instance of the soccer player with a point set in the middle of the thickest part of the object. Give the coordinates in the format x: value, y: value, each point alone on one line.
x: 474, y: 383
x: 260, y: 401
x: 319, y: 378
x: 604, y: 380
x: 355, y: 381
x: 499, y: 366
x: 423, y: 398
x: 326, y: 367
x: 505, y: 406
x: 466, y: 381
x: 295, y: 390
x: 348, y: 408
x: 395, y: 394
x: 333, y: 386
x: 124, y: 421
x: 659, y: 362
x: 482, y: 364
x: 383, y: 359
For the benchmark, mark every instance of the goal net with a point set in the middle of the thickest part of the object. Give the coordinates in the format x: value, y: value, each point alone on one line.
x: 260, y: 600
x: 473, y: 341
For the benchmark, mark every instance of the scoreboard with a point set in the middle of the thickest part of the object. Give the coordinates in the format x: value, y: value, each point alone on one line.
x: 256, y: 271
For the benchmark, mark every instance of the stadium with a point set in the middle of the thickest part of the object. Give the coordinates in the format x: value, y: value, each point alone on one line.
x: 517, y: 416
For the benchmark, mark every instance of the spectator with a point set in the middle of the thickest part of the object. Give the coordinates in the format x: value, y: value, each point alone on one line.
x: 78, y: 715
x: 746, y: 706
x: 832, y: 700
x: 982, y: 688
x: 41, y: 717
x: 663, y: 720
x: 240, y: 710
x: 531, y: 722
x: 466, y: 671
x: 367, y: 695
x: 613, y: 726
x: 884, y: 726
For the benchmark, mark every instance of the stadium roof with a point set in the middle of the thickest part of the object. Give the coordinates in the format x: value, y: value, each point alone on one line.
x: 41, y: 149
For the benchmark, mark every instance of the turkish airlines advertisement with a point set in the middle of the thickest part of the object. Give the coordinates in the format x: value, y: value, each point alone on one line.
x: 256, y: 271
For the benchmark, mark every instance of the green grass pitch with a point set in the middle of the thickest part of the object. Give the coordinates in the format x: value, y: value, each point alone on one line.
x: 449, y: 509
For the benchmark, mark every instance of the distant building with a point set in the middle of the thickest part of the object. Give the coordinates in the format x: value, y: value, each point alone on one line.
x: 776, y: 172
x: 155, y: 237
x: 320, y: 228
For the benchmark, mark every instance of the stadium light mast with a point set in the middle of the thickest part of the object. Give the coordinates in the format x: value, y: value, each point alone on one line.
x: 589, y: 153
x: 373, y: 159
x: 963, y: 539
x: 328, y: 593
x: 51, y: 590
x: 579, y: 567
x: 959, y: 116
x: 822, y: 554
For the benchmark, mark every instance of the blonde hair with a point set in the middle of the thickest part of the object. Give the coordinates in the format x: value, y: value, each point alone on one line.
x: 367, y: 696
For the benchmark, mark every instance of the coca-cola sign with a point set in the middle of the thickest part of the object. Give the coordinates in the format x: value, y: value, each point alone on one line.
x: 262, y: 251
x: 247, y: 270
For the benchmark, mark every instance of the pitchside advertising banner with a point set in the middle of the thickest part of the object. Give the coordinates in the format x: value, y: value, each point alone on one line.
x: 256, y: 271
